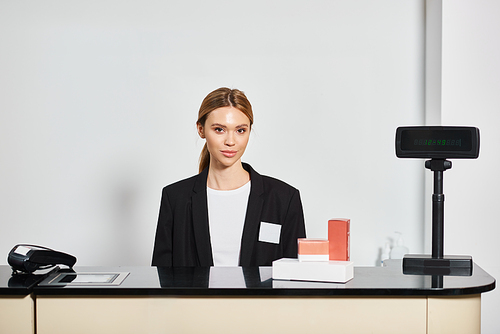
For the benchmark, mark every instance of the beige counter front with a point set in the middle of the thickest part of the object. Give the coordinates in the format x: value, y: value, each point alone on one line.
x: 209, y: 314
x: 247, y: 300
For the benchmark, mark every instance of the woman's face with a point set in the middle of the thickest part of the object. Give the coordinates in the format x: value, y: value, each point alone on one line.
x: 226, y: 131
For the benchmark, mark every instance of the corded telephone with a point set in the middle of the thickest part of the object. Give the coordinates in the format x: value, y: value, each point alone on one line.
x: 28, y: 258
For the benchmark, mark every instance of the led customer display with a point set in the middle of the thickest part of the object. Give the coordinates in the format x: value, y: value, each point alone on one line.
x: 437, y: 142
x: 456, y: 140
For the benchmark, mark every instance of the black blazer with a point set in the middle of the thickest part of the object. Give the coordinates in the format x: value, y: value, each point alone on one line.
x: 183, y: 237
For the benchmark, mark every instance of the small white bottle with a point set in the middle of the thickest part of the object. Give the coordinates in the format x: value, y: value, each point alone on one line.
x: 385, y: 253
x: 398, y: 251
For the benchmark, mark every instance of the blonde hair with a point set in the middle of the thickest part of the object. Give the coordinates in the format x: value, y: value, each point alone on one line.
x: 222, y: 97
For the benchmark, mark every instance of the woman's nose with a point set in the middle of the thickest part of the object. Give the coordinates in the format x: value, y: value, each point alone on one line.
x: 229, y: 140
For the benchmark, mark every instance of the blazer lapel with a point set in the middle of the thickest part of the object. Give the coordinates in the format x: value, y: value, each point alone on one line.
x: 252, y: 219
x: 199, y: 210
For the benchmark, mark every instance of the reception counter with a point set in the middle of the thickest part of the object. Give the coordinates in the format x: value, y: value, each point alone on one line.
x: 17, y: 305
x: 248, y: 300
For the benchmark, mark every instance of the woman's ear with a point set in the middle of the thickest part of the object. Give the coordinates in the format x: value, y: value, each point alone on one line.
x: 201, y: 130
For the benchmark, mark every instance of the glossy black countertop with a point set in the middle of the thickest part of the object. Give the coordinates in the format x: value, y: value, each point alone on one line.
x: 236, y: 281
x: 18, y: 284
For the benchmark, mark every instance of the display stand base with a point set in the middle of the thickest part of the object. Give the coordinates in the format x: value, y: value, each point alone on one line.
x: 451, y: 265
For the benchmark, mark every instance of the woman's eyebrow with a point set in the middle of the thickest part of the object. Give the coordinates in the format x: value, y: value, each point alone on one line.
x: 225, y: 127
x: 219, y: 125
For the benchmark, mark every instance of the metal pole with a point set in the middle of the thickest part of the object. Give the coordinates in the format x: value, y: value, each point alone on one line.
x: 438, y: 216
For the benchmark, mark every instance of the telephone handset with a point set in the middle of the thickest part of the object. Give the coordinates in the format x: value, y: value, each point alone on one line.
x: 28, y: 258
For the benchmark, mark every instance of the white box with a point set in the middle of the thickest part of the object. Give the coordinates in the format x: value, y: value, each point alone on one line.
x: 321, y: 271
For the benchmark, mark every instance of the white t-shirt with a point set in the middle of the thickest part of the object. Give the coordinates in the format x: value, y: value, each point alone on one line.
x: 226, y: 216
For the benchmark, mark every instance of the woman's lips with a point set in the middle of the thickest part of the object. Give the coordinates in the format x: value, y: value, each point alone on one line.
x: 228, y: 153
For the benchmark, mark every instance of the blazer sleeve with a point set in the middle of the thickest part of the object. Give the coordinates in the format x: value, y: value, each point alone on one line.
x: 294, y: 226
x: 162, y: 252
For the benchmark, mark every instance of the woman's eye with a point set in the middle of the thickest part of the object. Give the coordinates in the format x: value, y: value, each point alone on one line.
x: 219, y: 130
x: 242, y: 130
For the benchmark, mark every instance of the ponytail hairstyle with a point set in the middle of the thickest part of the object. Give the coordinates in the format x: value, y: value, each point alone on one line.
x: 222, y: 97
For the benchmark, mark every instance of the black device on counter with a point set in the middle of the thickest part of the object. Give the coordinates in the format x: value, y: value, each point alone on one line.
x: 437, y: 143
x: 28, y: 258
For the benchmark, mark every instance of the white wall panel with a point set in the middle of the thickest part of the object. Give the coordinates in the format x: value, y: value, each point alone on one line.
x: 98, y: 101
x: 470, y: 86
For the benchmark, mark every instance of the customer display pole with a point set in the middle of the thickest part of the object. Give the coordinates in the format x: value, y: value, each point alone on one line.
x: 438, y: 143
x: 438, y: 166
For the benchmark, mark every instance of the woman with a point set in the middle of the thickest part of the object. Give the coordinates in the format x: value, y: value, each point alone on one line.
x: 228, y: 214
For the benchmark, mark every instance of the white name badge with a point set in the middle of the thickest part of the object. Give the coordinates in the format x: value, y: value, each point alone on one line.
x: 270, y: 232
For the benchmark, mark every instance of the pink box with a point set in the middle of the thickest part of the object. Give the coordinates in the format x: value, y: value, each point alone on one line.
x: 313, y: 249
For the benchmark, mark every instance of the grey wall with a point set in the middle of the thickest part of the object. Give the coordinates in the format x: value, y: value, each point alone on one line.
x: 98, y: 102
x: 470, y: 86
